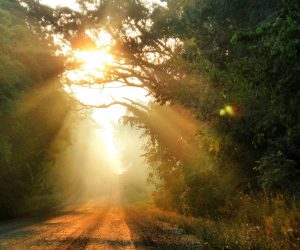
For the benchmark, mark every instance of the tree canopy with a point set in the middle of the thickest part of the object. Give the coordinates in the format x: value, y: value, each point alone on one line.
x: 234, y: 65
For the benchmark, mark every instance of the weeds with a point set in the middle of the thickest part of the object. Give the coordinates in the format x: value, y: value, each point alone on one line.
x: 264, y: 223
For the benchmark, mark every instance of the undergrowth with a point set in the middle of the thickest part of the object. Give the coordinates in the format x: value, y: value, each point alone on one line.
x: 265, y: 223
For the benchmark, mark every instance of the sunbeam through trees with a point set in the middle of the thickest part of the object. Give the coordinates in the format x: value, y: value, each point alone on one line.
x: 150, y: 124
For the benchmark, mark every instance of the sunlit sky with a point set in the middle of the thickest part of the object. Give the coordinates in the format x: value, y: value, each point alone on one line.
x: 72, y: 3
x: 54, y: 3
x: 93, y: 64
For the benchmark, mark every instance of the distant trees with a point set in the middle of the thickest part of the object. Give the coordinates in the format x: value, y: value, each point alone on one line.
x: 32, y: 110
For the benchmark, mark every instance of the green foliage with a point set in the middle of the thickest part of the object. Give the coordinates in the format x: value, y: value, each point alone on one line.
x: 249, y: 224
x: 276, y: 171
x: 32, y: 109
x: 5, y: 149
x: 240, y: 63
x: 235, y: 66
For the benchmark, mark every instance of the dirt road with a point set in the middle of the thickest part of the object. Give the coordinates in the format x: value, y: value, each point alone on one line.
x: 91, y: 225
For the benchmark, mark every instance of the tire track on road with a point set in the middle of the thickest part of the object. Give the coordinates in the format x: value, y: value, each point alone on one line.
x: 82, y: 236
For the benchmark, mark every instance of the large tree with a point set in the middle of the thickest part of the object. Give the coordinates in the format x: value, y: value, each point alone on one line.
x: 234, y: 64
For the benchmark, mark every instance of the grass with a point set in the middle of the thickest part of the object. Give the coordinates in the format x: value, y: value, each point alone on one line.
x: 248, y: 224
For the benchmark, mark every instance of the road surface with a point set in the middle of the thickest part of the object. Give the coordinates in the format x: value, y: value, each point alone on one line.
x: 94, y: 224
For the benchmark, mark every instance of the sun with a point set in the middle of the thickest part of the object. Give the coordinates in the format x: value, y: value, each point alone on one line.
x: 92, y: 60
x: 92, y: 65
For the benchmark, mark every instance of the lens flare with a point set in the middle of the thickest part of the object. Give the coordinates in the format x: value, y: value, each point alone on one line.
x: 222, y: 112
x: 228, y: 110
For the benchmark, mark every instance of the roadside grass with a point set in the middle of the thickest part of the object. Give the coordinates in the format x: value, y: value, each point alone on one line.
x: 39, y: 204
x: 245, y: 224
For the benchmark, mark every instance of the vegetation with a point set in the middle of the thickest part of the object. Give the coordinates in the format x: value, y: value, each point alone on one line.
x: 223, y: 131
x: 268, y: 232
x: 32, y: 109
x: 240, y: 69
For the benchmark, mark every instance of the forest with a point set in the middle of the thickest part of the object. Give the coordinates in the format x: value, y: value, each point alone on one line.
x: 219, y: 133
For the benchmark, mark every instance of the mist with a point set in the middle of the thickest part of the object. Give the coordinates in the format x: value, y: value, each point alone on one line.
x: 86, y: 169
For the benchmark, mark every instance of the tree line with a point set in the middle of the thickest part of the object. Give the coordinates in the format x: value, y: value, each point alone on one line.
x: 232, y: 65
x: 32, y: 111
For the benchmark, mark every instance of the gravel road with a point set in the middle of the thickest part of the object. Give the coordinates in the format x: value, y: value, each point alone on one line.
x: 94, y: 224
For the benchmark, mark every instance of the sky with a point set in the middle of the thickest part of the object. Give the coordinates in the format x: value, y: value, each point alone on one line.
x: 54, y: 3
x: 72, y: 3
x: 101, y: 137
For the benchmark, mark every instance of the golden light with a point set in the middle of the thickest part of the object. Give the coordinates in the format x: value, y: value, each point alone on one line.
x: 93, y: 60
x: 107, y: 118
x: 92, y: 65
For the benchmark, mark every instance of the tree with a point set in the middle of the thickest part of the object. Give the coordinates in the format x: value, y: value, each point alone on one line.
x: 32, y: 111
x: 233, y: 64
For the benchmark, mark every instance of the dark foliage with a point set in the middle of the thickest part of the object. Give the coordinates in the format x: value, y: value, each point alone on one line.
x: 32, y: 110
